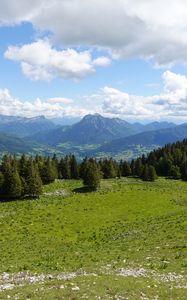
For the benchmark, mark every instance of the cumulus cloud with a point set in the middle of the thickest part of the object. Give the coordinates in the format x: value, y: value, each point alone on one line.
x: 126, y: 28
x: 171, y: 102
x: 40, y: 61
x: 53, y: 107
x: 60, y: 100
x: 14, y: 12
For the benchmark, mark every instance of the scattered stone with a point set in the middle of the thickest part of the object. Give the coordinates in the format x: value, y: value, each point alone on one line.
x: 75, y: 288
x: 132, y: 272
x: 62, y: 286
x: 62, y: 193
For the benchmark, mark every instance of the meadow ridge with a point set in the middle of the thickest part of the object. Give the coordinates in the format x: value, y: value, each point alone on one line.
x: 125, y: 241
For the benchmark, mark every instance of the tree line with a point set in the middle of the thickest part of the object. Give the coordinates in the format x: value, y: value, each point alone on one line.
x: 169, y: 161
x: 24, y: 177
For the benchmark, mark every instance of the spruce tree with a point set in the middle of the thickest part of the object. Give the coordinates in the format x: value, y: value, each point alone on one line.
x: 48, y: 172
x: 64, y: 168
x: 125, y: 169
x: 138, y: 168
x: 145, y: 173
x: 33, y: 182
x: 12, y: 186
x: 109, y: 169
x: 92, y: 175
x: 1, y: 182
x: 152, y: 173
x: 73, y: 167
x: 175, y: 172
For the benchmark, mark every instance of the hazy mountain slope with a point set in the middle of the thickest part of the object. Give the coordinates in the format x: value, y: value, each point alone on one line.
x: 157, y: 125
x: 14, y: 145
x: 92, y: 129
x: 22, y: 127
x: 157, y: 137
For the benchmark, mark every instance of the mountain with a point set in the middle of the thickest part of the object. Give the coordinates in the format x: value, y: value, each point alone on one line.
x: 14, y: 145
x: 22, y: 127
x: 92, y: 129
x: 157, y: 125
x: 147, y: 139
x: 92, y: 135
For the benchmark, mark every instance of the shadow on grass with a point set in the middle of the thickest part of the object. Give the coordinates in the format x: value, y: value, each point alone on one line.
x: 4, y: 199
x: 84, y: 189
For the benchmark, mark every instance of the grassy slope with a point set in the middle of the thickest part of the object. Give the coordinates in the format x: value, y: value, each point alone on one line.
x: 127, y: 224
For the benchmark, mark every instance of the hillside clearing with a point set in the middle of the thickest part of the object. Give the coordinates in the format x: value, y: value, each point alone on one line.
x: 125, y: 241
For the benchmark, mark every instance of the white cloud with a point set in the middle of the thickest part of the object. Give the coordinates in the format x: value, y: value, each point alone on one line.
x: 54, y: 107
x: 14, y: 12
x: 40, y: 61
x: 60, y: 100
x: 172, y: 102
x: 153, y: 29
x: 102, y: 61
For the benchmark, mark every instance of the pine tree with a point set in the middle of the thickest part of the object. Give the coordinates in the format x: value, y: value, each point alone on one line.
x: 149, y: 173
x: 175, y: 172
x: 54, y: 163
x: 184, y: 171
x: 83, y: 167
x: 138, y: 169
x: 12, y: 186
x: 109, y: 169
x: 145, y: 173
x: 152, y: 173
x: 33, y: 182
x: 125, y: 169
x: 64, y: 168
x: 92, y: 175
x: 1, y: 182
x: 73, y: 167
x: 48, y: 172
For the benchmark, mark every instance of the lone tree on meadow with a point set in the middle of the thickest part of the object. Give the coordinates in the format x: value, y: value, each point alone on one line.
x: 92, y: 175
x: 149, y: 173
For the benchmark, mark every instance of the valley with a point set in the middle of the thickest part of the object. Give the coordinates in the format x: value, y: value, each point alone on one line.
x: 94, y: 135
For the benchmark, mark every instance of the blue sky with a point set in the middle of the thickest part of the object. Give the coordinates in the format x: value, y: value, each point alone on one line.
x: 64, y: 59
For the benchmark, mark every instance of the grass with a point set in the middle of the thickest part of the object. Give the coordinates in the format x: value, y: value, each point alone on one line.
x: 126, y: 225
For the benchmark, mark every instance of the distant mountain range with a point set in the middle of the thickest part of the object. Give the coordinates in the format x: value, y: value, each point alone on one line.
x: 93, y: 135
x: 157, y: 137
x: 14, y: 145
x: 22, y: 127
x: 95, y: 129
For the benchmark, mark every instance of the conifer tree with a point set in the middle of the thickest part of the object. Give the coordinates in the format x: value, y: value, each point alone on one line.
x: 1, y: 182
x: 138, y: 168
x: 33, y: 182
x: 64, y: 168
x: 73, y: 167
x: 125, y: 169
x: 12, y: 186
x: 175, y: 172
x: 92, y: 175
x: 23, y: 166
x: 145, y: 173
x: 108, y: 169
x: 152, y: 173
x: 82, y: 168
x: 47, y: 172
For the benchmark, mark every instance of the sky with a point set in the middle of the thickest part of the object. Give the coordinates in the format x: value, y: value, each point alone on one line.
x: 118, y: 58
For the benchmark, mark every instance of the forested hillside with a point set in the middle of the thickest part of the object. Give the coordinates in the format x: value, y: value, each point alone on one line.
x: 24, y: 177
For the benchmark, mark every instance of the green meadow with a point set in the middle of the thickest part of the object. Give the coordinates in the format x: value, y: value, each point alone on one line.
x: 128, y: 240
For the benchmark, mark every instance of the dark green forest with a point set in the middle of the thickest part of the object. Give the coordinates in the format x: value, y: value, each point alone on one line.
x: 23, y: 177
